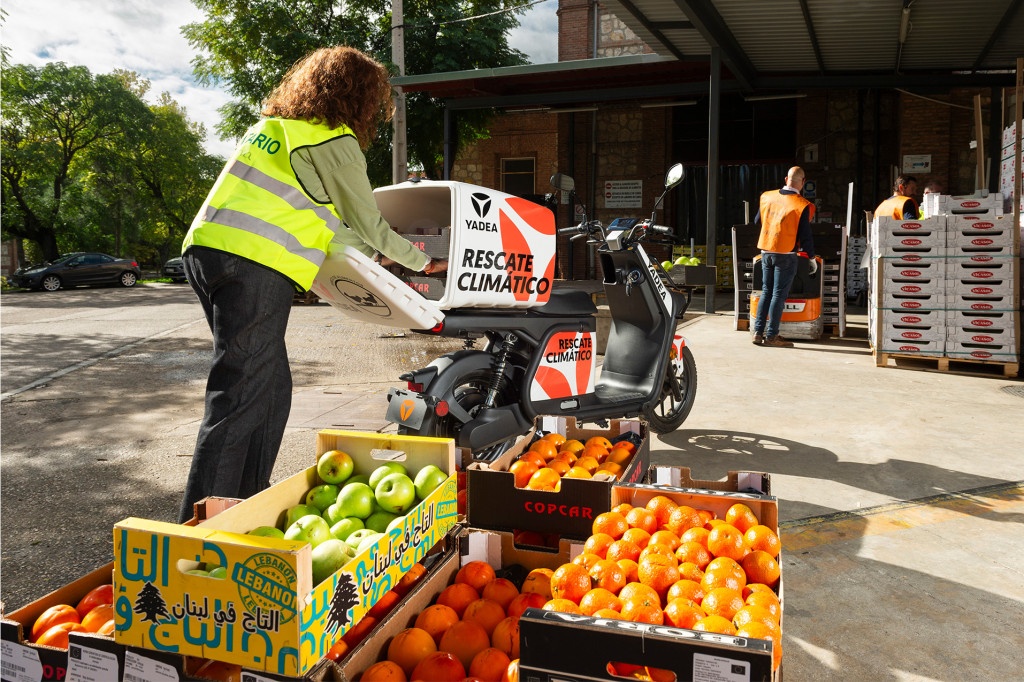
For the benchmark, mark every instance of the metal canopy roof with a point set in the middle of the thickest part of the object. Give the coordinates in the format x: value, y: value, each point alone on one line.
x: 765, y: 46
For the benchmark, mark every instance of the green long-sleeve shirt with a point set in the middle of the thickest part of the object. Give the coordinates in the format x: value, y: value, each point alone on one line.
x: 335, y: 172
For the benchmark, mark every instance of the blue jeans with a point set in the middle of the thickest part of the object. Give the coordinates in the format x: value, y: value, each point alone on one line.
x: 249, y: 390
x: 777, y: 273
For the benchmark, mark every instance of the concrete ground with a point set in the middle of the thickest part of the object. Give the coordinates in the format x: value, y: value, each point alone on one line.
x: 900, y: 492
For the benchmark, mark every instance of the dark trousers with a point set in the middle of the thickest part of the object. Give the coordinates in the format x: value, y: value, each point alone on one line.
x: 249, y: 390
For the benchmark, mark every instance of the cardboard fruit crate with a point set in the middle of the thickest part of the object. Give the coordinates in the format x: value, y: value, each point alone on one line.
x: 495, y: 503
x: 267, y: 614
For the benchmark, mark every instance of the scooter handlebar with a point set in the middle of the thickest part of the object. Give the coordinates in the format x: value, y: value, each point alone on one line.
x: 661, y: 229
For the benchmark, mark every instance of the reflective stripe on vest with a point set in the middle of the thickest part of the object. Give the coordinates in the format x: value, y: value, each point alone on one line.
x: 258, y: 210
x: 780, y: 220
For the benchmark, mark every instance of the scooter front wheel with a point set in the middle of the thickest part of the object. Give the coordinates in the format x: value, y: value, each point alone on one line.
x: 678, y: 392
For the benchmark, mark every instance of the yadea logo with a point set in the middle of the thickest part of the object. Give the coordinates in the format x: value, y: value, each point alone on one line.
x: 982, y: 338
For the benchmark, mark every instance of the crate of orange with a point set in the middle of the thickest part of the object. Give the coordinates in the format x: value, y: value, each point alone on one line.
x: 558, y: 478
x: 672, y: 583
x: 462, y: 620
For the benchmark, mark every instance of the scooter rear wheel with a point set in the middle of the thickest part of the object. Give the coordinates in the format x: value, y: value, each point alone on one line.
x: 678, y: 392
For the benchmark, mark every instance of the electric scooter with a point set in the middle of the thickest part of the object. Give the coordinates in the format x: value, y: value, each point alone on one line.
x: 543, y: 360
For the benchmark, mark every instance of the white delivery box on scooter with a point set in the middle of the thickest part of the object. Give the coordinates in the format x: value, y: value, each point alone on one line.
x: 500, y: 250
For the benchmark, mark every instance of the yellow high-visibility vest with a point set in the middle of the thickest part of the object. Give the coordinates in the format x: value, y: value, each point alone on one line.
x: 258, y: 210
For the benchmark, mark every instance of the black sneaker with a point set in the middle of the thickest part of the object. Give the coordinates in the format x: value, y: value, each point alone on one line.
x: 778, y: 342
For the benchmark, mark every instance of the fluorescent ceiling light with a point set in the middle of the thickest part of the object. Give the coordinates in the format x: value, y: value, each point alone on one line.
x: 571, y: 110
x: 655, y: 105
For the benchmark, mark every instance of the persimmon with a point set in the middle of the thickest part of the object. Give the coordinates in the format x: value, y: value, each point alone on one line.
x: 465, y: 640
x: 409, y: 647
x: 599, y: 440
x: 383, y: 671
x: 440, y: 666
x: 476, y: 574
x: 506, y: 636
x: 560, y: 466
x: 489, y: 665
x: 55, y: 615
x: 487, y: 612
x: 538, y: 580
x: 57, y: 635
x: 436, y: 619
x: 107, y: 629
x: 501, y: 590
x: 101, y: 594
x: 458, y: 596
x: 522, y: 470
x: 545, y: 449
x: 98, y: 617
x: 525, y: 600
x: 555, y: 437
x: 545, y: 478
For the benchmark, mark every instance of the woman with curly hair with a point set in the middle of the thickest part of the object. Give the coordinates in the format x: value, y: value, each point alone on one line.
x: 295, y: 185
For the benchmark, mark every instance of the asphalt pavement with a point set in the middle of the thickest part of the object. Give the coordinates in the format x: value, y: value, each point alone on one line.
x: 900, y: 490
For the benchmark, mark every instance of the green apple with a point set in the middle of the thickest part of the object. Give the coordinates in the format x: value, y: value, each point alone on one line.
x: 328, y: 557
x: 268, y: 531
x: 378, y: 474
x: 335, y: 466
x: 220, y: 573
x: 428, y: 479
x: 683, y: 260
x: 355, y: 499
x: 322, y: 496
x: 342, y: 529
x: 358, y: 478
x: 396, y: 493
x: 311, y: 528
x: 379, y: 521
x: 368, y: 541
x: 666, y: 265
x: 358, y: 536
x: 297, y: 512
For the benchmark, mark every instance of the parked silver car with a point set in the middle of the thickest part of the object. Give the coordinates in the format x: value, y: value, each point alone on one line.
x: 175, y: 270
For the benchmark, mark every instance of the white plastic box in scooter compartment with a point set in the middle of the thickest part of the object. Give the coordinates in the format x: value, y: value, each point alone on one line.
x: 501, y: 251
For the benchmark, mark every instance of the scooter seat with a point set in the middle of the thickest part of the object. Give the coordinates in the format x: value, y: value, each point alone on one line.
x: 566, y: 303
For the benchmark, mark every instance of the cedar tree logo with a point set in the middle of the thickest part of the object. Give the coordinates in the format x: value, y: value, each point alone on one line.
x: 481, y: 204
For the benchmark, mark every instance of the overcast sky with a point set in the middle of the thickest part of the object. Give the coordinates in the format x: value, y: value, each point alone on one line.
x: 144, y: 36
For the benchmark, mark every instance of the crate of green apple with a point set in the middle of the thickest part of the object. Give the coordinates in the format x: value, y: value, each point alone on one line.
x: 350, y: 511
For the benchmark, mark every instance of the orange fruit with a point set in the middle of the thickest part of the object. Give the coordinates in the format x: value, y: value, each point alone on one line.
x: 570, y: 581
x: 758, y: 631
x: 562, y: 606
x: 465, y: 640
x: 539, y: 581
x: 766, y: 600
x: 757, y: 587
x: 598, y: 544
x: 524, y: 601
x: 545, y: 448
x: 662, y: 507
x: 555, y: 437
x: 665, y: 537
x: 436, y: 619
x: 660, y: 550
x: 501, y: 590
x: 597, y: 599
x: 683, y: 613
x: 619, y: 455
x: 55, y: 615
x: 384, y: 671
x: 690, y: 590
x: 741, y: 517
x: 638, y: 517
x: 638, y: 536
x: 695, y: 553
x: 101, y: 594
x: 764, y: 539
x: 522, y: 470
x: 410, y: 579
x: 630, y: 568
x: 512, y: 674
x: 489, y: 665
x: 724, y: 572
x: 486, y: 612
x: 608, y: 574
x: 761, y: 567
x: 98, y: 617
x: 756, y: 614
x: 714, y: 623
x: 612, y: 523
x: 690, y: 571
x: 599, y: 440
x: 623, y: 549
x: 683, y: 518
x: 643, y: 610
x: 560, y: 466
x: 590, y: 464
x: 637, y: 590
x: 696, y: 535
x: 608, y: 613
x: 727, y: 540
x: 706, y: 517
x: 458, y: 596
x: 545, y: 478
x: 506, y: 636
x: 440, y: 666
x: 409, y: 647
x: 57, y: 635
x: 586, y: 559
x: 476, y: 574
x: 722, y: 601
x: 577, y: 472
x: 609, y: 468
x: 572, y: 445
x: 622, y: 508
x: 659, y: 572
x: 107, y: 629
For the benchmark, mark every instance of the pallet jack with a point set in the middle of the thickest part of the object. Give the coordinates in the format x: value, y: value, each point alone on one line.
x: 802, y: 316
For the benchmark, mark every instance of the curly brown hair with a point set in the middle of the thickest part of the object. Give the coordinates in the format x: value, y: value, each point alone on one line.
x: 335, y: 85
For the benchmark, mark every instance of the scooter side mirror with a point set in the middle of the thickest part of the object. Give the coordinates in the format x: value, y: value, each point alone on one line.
x: 674, y: 176
x: 563, y: 182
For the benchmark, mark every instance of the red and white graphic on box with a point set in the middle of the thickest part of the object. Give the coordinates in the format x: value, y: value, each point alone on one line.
x: 521, y: 270
x: 567, y: 367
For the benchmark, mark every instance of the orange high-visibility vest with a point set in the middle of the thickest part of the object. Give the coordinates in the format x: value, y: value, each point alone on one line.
x: 893, y: 206
x: 780, y: 220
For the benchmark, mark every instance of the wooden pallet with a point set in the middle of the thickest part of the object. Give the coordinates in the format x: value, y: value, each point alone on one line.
x: 944, y: 364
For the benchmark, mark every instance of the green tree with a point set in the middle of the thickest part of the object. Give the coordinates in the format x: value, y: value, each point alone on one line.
x: 53, y: 118
x: 248, y: 46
